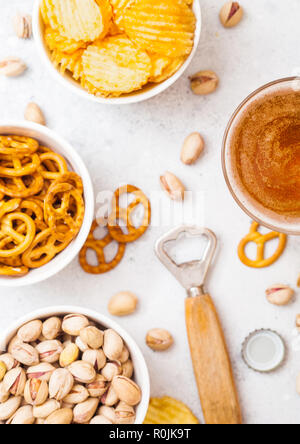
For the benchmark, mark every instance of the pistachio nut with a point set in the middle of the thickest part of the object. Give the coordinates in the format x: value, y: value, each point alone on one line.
x: 12, y: 67
x: 98, y: 387
x: 92, y: 337
x: 46, y: 409
x: 124, y: 355
x: 204, y: 82
x: 95, y: 357
x: 172, y: 186
x: 125, y: 414
x: 23, y: 26
x: 122, y: 304
x: 69, y: 355
x: 49, y: 351
x: 113, y: 345
x: 83, y: 372
x: 159, y: 339
x: 231, y: 14
x: 25, y: 353
x: 81, y: 345
x: 100, y: 420
x: 15, y: 380
x: 30, y: 332
x: 110, y: 397
x: 24, y: 415
x: 4, y: 394
x: 77, y: 395
x: 60, y: 384
x: 36, y: 392
x: 127, y: 390
x: 192, y: 148
x: 13, y: 342
x: 279, y: 294
x: 127, y: 369
x: 60, y: 417
x: 84, y: 411
x: 9, y: 407
x: 108, y: 412
x: 33, y: 113
x: 9, y: 361
x: 51, y: 328
x: 41, y: 371
x: 111, y: 370
x: 3, y: 370
x: 74, y: 323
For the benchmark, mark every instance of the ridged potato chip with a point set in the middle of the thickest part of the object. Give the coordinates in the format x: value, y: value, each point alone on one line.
x: 78, y: 20
x: 165, y: 27
x: 56, y: 42
x: 115, y: 66
x: 119, y: 7
x: 168, y: 410
x: 70, y: 62
x: 164, y: 67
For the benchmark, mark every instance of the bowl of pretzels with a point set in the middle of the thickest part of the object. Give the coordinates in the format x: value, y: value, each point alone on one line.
x: 46, y: 203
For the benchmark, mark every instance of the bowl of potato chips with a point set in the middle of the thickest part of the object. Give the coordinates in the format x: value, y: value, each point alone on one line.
x: 117, y: 51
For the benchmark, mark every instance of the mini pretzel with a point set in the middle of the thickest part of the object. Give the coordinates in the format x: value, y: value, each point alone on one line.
x: 21, y: 187
x: 51, y: 161
x: 260, y: 240
x: 12, y: 145
x: 9, y: 206
x: 98, y: 246
x: 125, y: 214
x: 13, y: 271
x: 18, y: 169
x: 71, y: 178
x: 9, y: 233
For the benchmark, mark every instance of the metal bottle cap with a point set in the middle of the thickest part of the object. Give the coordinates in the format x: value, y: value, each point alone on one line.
x: 263, y: 350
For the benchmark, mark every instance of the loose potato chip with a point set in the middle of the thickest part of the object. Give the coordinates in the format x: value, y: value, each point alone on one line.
x: 115, y: 66
x: 164, y: 67
x: 119, y: 7
x: 78, y: 20
x: 168, y: 410
x: 70, y: 62
x: 56, y: 42
x: 165, y: 27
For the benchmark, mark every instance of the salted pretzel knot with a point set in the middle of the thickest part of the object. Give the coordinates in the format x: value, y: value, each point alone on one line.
x: 260, y: 240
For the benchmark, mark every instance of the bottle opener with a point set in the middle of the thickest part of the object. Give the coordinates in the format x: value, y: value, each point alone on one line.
x: 211, y: 362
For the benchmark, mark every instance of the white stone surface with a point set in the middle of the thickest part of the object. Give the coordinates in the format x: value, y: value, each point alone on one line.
x: 135, y: 144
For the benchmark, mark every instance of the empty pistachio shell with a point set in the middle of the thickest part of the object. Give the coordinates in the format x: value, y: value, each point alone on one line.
x: 69, y: 355
x: 49, y: 351
x: 36, y: 392
x: 9, y: 407
x: 279, y: 294
x: 127, y: 369
x: 113, y: 345
x: 12, y: 67
x: 78, y: 394
x: 15, y: 381
x: 108, y: 412
x: 111, y: 370
x: 92, y: 336
x: 127, y: 390
x: 24, y: 415
x: 95, y: 357
x: 61, y: 416
x: 110, y: 397
x: 98, y: 387
x: 204, y: 82
x: 4, y: 394
x: 33, y: 113
x: 60, y: 384
x: 25, y: 353
x: 23, y: 26
x: 159, y: 339
x: 192, y: 148
x: 46, y: 409
x: 122, y: 304
x: 2, y: 370
x: 74, y: 323
x: 84, y: 411
x: 125, y: 414
x: 51, y: 328
x: 231, y: 14
x: 9, y: 361
x: 30, y: 332
x: 83, y: 372
x: 41, y: 371
x: 100, y: 420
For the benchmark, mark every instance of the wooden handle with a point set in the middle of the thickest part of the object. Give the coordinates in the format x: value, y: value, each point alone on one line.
x: 211, y: 363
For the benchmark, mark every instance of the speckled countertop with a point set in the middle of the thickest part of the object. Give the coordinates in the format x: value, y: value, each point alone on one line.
x: 135, y: 144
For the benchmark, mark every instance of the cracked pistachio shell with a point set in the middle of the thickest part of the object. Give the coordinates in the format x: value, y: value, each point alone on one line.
x: 125, y: 414
x: 9, y: 407
x: 98, y: 387
x: 100, y: 420
x: 4, y: 394
x: 36, y: 392
x: 83, y: 372
x: 60, y: 417
x: 108, y: 412
x: 51, y: 328
x: 95, y: 357
x: 124, y: 355
x: 49, y: 351
x: 60, y: 384
x: 15, y: 381
x: 127, y: 390
x: 31, y: 331
x: 127, y: 369
x: 46, y: 409
x: 25, y: 353
x: 24, y: 415
x: 14, y: 341
x: 9, y: 361
x: 84, y: 411
x: 92, y: 337
x: 111, y: 370
x: 159, y: 339
x: 41, y: 371
x: 74, y: 323
x: 113, y: 345
x: 69, y: 355
x: 78, y: 394
x: 110, y: 397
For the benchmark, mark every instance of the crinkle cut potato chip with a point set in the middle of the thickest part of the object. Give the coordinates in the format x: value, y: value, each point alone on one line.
x: 168, y: 410
x: 164, y: 67
x: 165, y: 27
x: 70, y: 62
x: 56, y: 42
x: 119, y: 7
x: 115, y: 66
x: 84, y: 20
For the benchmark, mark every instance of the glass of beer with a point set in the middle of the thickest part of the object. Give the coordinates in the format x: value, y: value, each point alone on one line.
x: 261, y: 155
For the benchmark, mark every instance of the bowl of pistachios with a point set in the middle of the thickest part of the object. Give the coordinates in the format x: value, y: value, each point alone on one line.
x: 71, y: 365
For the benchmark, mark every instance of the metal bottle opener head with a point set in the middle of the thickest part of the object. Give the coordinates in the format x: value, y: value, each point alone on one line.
x: 191, y: 274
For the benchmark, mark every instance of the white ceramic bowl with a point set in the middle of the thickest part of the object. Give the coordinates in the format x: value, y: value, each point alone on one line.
x: 146, y: 93
x: 57, y: 144
x: 141, y: 374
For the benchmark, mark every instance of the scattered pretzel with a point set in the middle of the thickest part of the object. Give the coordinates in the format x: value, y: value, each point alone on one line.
x: 260, y: 240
